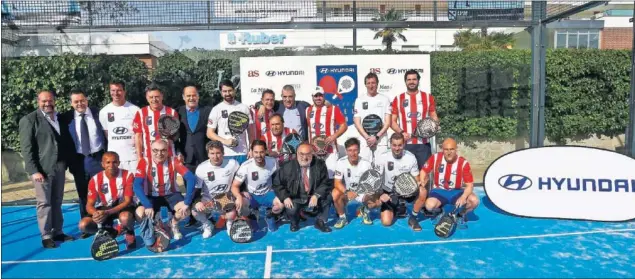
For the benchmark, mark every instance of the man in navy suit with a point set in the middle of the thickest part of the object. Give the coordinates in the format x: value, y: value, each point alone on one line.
x: 192, y: 133
x: 90, y: 144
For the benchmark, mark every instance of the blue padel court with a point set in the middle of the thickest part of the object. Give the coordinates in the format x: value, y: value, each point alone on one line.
x: 494, y: 245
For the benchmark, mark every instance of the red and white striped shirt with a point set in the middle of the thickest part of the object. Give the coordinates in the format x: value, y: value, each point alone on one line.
x: 146, y: 123
x: 160, y: 179
x: 109, y: 191
x: 321, y: 121
x: 274, y: 143
x: 448, y: 175
x: 410, y: 108
x: 261, y: 122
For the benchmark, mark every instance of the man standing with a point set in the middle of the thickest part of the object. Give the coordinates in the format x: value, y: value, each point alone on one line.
x: 116, y: 119
x: 294, y: 112
x: 218, y: 130
x: 408, y: 109
x: 146, y: 122
x: 372, y: 103
x: 192, y: 133
x: 90, y: 143
x: 261, y: 114
x: 304, y: 183
x: 46, y: 147
x: 327, y: 121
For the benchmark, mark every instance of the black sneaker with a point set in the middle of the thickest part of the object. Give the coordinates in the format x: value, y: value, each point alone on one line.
x: 63, y: 238
x: 414, y: 224
x: 48, y: 243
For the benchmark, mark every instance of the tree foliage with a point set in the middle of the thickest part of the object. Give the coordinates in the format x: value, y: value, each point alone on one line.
x: 389, y: 35
x: 469, y: 40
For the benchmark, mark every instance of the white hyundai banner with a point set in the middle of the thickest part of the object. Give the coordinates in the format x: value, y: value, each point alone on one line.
x: 341, y: 76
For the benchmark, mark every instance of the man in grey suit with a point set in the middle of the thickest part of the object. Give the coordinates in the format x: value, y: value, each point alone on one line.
x: 46, y: 146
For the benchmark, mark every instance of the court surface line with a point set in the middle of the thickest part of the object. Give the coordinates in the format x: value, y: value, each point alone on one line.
x: 268, y: 263
x: 332, y: 248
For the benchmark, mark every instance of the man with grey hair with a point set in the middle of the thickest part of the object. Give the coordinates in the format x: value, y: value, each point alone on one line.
x: 303, y: 184
x: 46, y: 147
x: 294, y: 112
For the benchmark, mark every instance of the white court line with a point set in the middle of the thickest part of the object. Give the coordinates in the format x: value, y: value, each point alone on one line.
x: 268, y: 263
x: 486, y: 239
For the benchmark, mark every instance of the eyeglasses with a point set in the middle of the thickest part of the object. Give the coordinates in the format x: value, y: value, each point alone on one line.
x: 159, y: 151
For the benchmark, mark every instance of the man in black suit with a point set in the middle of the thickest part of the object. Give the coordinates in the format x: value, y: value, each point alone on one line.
x: 192, y: 134
x: 46, y: 146
x: 303, y: 184
x: 90, y: 144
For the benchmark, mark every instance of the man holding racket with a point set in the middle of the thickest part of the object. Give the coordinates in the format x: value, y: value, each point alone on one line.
x: 372, y: 103
x: 257, y: 173
x: 217, y: 175
x: 155, y: 186
x: 109, y: 198
x: 328, y: 122
x: 393, y: 163
x: 407, y: 110
x: 451, y: 173
x: 217, y: 123
x: 347, y: 173
x: 146, y: 122
x: 274, y: 137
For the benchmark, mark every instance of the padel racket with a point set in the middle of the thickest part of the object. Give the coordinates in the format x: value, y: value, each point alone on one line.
x: 240, y: 231
x: 237, y: 123
x: 104, y: 246
x: 224, y: 203
x: 406, y: 185
x: 426, y: 128
x: 290, y: 143
x: 320, y: 147
x: 370, y: 182
x: 372, y: 124
x: 168, y: 125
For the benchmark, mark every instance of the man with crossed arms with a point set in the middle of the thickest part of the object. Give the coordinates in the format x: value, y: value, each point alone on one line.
x: 451, y: 172
x: 347, y: 173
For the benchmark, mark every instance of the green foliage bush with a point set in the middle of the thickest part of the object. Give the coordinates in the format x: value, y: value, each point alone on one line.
x: 481, y: 95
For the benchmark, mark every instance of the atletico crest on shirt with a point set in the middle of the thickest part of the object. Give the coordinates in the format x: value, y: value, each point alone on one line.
x: 391, y: 166
x: 254, y: 176
x: 111, y: 117
x: 104, y: 188
x: 210, y: 176
x: 149, y: 120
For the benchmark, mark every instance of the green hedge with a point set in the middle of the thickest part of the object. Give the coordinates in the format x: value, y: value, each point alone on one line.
x: 481, y: 95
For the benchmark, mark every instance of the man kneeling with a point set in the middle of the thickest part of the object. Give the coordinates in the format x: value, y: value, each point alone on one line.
x: 348, y: 170
x: 450, y: 173
x: 110, y: 197
x: 155, y: 186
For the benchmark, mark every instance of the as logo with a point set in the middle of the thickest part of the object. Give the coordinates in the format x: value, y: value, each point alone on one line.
x: 562, y: 182
x: 253, y: 73
x: 375, y: 70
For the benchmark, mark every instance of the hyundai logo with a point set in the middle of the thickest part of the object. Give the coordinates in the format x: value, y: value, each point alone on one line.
x: 270, y: 73
x: 120, y: 130
x: 514, y: 182
x: 392, y: 71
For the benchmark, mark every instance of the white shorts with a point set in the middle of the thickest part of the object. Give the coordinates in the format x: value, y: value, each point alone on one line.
x: 129, y: 165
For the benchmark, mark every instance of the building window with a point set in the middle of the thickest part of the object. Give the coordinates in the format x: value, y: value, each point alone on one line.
x: 347, y: 10
x: 577, y: 38
x: 417, y: 10
x: 382, y: 9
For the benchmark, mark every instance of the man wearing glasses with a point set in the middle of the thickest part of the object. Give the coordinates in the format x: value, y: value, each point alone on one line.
x: 155, y: 186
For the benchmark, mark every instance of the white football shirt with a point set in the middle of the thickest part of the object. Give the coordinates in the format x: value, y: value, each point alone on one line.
x: 117, y: 120
x: 258, y: 179
x: 216, y: 179
x: 218, y: 120
x: 387, y: 164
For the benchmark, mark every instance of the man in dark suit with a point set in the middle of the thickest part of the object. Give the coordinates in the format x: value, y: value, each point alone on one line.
x: 303, y: 184
x: 192, y: 134
x: 90, y: 144
x: 46, y: 146
x: 294, y: 112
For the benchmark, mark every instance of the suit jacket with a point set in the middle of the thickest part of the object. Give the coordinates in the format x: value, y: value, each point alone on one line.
x: 192, y: 140
x: 41, y: 146
x: 76, y: 160
x: 301, y: 106
x: 287, y: 181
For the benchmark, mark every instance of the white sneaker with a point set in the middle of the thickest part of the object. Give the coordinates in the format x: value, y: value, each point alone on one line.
x: 176, y: 233
x: 207, y: 229
x: 228, y: 225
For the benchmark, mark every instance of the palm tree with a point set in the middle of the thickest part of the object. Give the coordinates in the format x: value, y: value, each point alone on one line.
x: 468, y: 40
x: 389, y: 35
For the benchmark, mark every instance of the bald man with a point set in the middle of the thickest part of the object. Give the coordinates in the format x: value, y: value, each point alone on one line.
x: 452, y: 181
x: 304, y: 184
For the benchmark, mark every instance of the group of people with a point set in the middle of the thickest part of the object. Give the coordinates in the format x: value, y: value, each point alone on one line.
x: 125, y: 169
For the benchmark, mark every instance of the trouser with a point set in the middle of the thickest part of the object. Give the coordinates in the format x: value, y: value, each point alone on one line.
x: 89, y: 167
x: 323, y: 206
x: 421, y: 151
x: 49, y: 196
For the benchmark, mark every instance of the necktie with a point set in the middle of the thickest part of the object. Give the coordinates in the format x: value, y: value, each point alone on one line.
x: 305, y: 178
x: 85, y: 139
